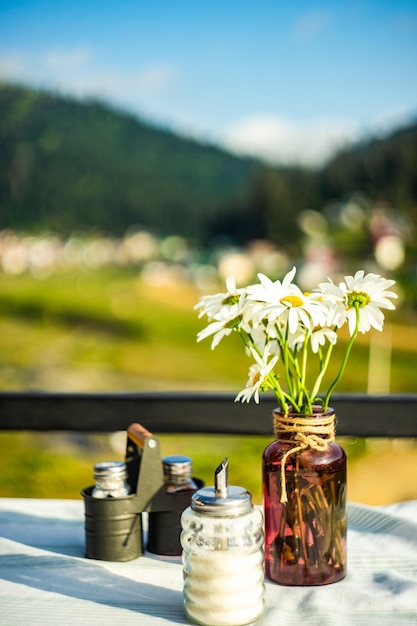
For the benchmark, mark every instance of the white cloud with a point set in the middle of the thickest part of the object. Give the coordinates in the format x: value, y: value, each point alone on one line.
x: 281, y: 140
x: 76, y: 70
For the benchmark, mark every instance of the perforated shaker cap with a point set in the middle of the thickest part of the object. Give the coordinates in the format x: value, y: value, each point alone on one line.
x: 110, y: 469
x: 177, y: 468
x: 222, y: 500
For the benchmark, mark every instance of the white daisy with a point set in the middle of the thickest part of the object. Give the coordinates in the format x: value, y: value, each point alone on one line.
x: 269, y: 291
x: 211, y: 305
x: 362, y: 293
x: 297, y: 308
x: 320, y: 335
x: 304, y: 309
x: 284, y: 301
x: 226, y: 321
x: 258, y: 372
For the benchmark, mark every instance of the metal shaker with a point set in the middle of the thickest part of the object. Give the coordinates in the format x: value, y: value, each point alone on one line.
x: 164, y: 525
x: 113, y: 526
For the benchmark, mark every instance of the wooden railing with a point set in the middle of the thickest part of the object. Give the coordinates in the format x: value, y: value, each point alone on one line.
x: 358, y: 415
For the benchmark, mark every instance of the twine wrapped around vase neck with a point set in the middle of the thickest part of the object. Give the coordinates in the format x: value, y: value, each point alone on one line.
x: 309, y: 432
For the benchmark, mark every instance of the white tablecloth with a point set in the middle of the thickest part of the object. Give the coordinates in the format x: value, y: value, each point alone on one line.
x: 45, y: 579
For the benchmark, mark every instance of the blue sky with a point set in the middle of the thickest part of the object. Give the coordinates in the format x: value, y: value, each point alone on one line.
x: 285, y: 81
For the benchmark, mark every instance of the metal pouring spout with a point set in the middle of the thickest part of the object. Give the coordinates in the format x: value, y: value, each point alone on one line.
x: 221, y: 488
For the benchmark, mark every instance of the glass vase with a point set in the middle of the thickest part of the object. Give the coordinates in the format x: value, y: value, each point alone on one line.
x: 304, y: 488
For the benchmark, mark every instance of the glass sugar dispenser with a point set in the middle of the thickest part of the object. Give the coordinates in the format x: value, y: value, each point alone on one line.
x: 222, y: 541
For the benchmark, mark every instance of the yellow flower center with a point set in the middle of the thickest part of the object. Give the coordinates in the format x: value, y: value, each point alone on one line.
x: 232, y: 299
x: 359, y: 298
x: 234, y: 322
x: 291, y: 301
x: 256, y: 378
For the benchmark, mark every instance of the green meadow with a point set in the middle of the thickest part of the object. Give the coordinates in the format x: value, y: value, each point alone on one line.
x: 110, y: 330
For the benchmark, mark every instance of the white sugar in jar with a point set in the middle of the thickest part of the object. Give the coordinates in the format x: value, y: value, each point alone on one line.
x: 222, y: 541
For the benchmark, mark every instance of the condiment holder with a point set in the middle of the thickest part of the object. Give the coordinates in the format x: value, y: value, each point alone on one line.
x: 114, y: 529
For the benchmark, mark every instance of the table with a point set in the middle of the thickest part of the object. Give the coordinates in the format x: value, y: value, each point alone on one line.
x: 45, y: 579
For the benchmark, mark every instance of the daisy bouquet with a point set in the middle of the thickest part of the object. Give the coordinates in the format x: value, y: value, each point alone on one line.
x: 283, y: 328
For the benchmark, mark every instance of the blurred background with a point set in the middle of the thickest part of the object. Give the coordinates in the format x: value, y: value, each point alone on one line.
x: 147, y: 152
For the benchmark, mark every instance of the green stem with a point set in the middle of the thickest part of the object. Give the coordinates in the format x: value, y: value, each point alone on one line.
x: 345, y: 359
x: 323, y: 369
x: 283, y: 398
x: 247, y: 340
x: 289, y: 361
x: 299, y: 389
x: 303, y: 389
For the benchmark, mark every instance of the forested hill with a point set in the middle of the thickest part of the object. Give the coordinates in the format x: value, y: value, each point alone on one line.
x: 384, y: 169
x: 71, y: 165
x: 68, y: 165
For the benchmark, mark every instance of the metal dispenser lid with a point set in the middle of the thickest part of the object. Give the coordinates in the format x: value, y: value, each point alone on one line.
x: 222, y: 500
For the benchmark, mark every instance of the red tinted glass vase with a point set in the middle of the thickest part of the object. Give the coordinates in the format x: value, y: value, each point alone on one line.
x: 305, y: 529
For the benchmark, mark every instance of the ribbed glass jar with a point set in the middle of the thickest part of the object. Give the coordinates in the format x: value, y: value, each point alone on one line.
x: 223, y: 568
x: 223, y: 564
